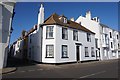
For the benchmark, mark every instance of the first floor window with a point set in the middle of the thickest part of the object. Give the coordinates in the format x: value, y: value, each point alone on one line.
x: 64, y: 51
x: 92, y: 52
x: 88, y: 37
x: 75, y: 35
x: 110, y: 35
x: 86, y: 52
x: 64, y: 33
x: 49, y: 31
x: 49, y: 51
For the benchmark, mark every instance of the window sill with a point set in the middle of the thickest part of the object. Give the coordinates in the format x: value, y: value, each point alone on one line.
x: 49, y: 57
x: 65, y: 39
x: 64, y: 57
x: 86, y: 56
x: 75, y: 40
x: 49, y: 38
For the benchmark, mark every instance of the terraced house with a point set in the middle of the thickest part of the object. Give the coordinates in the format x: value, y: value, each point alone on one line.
x: 106, y: 38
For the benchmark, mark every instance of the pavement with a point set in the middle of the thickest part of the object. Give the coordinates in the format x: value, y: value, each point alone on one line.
x: 7, y: 70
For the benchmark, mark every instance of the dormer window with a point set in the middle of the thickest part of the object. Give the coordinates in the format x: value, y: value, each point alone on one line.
x: 63, y: 19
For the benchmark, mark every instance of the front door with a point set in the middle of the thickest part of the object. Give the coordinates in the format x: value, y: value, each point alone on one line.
x: 77, y: 53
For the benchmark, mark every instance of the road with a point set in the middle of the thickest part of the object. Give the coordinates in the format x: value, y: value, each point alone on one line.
x: 96, y: 69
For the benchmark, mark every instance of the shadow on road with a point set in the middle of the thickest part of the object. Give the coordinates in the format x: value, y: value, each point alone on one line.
x: 15, y: 62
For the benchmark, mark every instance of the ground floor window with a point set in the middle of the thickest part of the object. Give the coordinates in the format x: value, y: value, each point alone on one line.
x: 119, y: 53
x: 105, y: 53
x: 64, y: 51
x: 113, y: 53
x: 86, y: 52
x: 92, y: 52
x: 49, y: 51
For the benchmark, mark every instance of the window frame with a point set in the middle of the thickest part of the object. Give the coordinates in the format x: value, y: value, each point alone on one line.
x: 92, y: 52
x: 48, y: 31
x: 110, y: 34
x: 111, y: 44
x: 117, y: 36
x: 86, y: 49
x: 49, y: 51
x: 88, y: 37
x: 64, y: 36
x: 63, y: 51
x: 75, y: 37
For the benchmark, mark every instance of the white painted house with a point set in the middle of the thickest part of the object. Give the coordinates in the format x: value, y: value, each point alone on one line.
x: 35, y: 39
x: 66, y: 41
x: 93, y: 25
x: 105, y: 37
x: 6, y: 16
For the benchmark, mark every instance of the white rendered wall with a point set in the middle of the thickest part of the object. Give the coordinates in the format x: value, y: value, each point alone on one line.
x: 6, y: 12
x: 36, y: 42
x: 48, y: 42
x: 82, y: 38
x: 58, y: 42
x: 94, y: 27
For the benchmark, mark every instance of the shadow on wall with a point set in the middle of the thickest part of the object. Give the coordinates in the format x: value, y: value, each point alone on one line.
x: 15, y: 62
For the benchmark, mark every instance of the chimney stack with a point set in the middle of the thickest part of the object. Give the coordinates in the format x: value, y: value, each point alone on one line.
x: 88, y: 15
x: 72, y: 19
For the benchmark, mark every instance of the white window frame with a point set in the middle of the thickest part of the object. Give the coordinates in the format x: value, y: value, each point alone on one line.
x: 110, y: 34
x: 113, y: 54
x: 92, y: 52
x: 88, y: 37
x: 75, y: 35
x: 86, y: 52
x: 64, y: 51
x: 111, y: 43
x: 49, y: 51
x: 49, y: 32
x: 64, y: 33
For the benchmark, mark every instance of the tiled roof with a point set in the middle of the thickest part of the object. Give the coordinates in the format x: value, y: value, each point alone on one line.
x: 54, y: 19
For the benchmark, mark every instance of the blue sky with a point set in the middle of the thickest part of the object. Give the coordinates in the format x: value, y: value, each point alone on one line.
x: 27, y: 13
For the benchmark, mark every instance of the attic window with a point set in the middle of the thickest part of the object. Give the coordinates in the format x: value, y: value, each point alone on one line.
x: 63, y: 19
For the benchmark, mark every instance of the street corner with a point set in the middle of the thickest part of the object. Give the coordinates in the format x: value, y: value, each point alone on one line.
x: 8, y: 70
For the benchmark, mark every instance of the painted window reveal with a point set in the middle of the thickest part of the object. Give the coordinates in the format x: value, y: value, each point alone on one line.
x: 64, y: 51
x: 86, y: 52
x: 88, y: 37
x: 92, y: 52
x: 49, y: 51
x: 75, y: 35
x: 49, y: 31
x: 64, y: 33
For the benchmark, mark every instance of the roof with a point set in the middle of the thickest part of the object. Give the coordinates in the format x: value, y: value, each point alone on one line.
x: 104, y: 25
x: 31, y: 30
x: 54, y: 19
